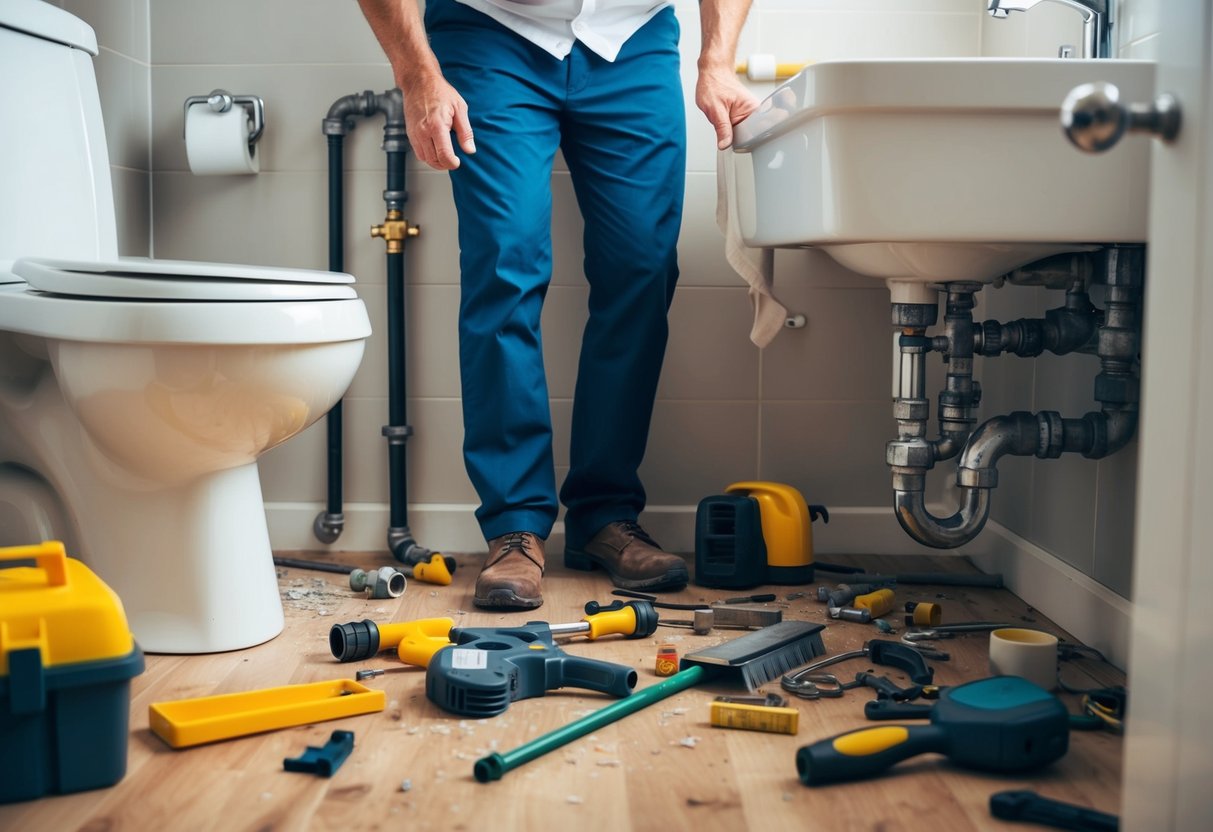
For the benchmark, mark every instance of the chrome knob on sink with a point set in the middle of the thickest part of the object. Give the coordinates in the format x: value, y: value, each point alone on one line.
x: 1094, y: 119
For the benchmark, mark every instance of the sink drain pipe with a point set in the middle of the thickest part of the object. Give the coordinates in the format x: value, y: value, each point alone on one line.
x: 1047, y: 434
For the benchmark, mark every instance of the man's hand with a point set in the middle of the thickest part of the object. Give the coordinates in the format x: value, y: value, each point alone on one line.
x: 724, y: 100
x: 433, y: 109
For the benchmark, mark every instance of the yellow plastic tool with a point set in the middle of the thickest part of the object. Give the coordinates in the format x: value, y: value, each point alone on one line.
x: 59, y: 607
x: 434, y: 571
x: 768, y: 718
x: 786, y: 527
x: 416, y: 642
x: 186, y: 722
x: 878, y: 603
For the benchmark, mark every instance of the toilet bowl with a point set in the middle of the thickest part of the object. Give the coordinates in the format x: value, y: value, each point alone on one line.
x: 136, y: 395
x: 145, y: 416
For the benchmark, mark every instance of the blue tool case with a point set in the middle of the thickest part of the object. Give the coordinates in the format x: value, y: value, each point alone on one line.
x: 66, y: 661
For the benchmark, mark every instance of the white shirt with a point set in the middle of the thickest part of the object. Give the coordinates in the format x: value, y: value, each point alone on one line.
x: 552, y: 25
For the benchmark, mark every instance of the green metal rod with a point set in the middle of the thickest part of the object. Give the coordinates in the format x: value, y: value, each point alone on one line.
x: 495, y: 765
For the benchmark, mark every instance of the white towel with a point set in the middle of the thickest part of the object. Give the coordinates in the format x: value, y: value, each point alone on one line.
x: 755, y: 265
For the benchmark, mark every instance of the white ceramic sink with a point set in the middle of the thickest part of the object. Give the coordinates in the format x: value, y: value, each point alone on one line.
x: 933, y: 170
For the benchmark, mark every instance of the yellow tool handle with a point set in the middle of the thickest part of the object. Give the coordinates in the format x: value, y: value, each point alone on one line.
x: 621, y: 622
x: 865, y: 752
x: 49, y: 556
x: 416, y: 642
x: 878, y: 603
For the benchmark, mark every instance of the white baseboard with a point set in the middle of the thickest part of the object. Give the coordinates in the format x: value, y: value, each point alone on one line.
x: 1094, y: 614
x: 1090, y: 611
x: 452, y: 527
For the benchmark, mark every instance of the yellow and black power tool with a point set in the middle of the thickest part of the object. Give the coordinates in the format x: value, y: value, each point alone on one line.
x: 755, y: 533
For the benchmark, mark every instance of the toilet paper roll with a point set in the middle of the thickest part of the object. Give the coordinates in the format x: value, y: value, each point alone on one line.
x: 1031, y: 654
x: 217, y: 143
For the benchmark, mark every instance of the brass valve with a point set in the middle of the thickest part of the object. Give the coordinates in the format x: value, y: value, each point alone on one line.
x: 394, y: 230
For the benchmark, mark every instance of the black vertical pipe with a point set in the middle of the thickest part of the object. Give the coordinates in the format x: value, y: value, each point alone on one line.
x: 336, y: 264
x: 397, y: 369
x: 329, y: 524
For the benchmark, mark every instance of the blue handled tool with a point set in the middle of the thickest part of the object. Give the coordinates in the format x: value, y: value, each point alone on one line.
x: 1003, y: 724
x: 487, y: 668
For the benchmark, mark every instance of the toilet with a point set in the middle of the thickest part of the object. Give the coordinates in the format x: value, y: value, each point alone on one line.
x: 136, y: 395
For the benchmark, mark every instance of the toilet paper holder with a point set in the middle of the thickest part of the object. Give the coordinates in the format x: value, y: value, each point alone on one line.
x: 220, y: 101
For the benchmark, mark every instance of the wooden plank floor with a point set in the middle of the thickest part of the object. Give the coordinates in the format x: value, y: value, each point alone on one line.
x: 663, y: 768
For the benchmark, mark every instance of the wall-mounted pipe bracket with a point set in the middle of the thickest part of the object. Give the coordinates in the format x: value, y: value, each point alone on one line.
x: 397, y: 434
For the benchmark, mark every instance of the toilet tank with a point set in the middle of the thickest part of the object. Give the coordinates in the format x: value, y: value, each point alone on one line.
x: 56, y: 198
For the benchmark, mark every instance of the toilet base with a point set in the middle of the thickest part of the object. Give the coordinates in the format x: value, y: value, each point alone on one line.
x: 191, y: 563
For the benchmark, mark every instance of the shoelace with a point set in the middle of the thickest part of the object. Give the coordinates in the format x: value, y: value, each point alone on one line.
x: 632, y: 529
x: 516, y: 542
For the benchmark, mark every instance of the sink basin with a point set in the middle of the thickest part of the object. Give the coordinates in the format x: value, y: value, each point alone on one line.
x: 926, y: 171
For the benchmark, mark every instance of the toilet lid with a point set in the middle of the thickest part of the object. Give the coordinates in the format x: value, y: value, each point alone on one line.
x: 184, y: 280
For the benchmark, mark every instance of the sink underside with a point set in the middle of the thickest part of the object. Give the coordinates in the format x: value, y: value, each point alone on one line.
x: 926, y: 171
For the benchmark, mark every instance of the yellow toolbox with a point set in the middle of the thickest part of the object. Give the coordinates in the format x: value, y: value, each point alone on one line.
x: 66, y: 660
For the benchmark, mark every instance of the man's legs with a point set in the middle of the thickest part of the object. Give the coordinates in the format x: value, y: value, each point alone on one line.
x: 624, y: 139
x: 503, y: 197
x: 504, y: 201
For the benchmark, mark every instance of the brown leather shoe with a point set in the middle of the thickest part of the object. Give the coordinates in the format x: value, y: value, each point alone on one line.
x: 512, y: 573
x: 630, y: 557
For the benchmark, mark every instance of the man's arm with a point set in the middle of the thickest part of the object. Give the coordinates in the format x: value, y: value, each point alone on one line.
x: 432, y: 107
x: 719, y: 93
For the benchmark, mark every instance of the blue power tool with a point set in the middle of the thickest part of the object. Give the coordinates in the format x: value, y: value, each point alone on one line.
x: 487, y: 668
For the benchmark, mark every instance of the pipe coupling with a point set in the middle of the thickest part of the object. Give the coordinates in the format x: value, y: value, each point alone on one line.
x: 384, y: 582
x: 917, y: 453
x: 395, y: 230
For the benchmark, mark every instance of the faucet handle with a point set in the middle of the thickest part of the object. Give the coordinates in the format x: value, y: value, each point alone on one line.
x: 1094, y: 119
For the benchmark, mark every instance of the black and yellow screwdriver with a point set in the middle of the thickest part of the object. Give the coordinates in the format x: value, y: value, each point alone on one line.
x: 416, y: 642
x: 1003, y: 724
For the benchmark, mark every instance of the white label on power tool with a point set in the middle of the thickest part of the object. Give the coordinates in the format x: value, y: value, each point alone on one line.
x: 465, y: 659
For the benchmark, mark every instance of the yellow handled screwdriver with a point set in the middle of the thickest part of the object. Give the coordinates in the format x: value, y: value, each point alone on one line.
x: 416, y: 642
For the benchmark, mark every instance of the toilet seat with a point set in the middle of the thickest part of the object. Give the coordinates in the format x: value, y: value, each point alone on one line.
x: 182, y: 280
x: 194, y: 303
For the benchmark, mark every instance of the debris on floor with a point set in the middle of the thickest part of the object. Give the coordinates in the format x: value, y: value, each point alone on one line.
x: 311, y: 594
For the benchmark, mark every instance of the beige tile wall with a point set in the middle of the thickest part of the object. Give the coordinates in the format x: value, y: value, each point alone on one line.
x: 123, y: 70
x: 726, y: 411
x: 1078, y: 510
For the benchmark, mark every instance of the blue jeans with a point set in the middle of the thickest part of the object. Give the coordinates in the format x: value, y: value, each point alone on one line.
x: 621, y: 128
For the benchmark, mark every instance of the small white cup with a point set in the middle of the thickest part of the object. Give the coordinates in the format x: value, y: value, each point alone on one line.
x: 1031, y: 654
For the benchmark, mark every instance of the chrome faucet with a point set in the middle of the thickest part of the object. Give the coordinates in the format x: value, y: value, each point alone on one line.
x: 1096, y: 21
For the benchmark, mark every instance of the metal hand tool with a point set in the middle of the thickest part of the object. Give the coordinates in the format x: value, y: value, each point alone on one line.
x: 891, y: 653
x: 744, y: 618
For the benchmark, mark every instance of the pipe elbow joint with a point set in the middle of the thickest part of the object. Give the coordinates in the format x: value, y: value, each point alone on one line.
x: 339, y: 119
x: 327, y: 527
x: 943, y: 532
x: 1110, y: 430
